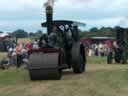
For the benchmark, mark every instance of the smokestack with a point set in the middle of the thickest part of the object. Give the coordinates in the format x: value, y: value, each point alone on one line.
x: 49, y: 15
x: 49, y: 18
x: 120, y: 35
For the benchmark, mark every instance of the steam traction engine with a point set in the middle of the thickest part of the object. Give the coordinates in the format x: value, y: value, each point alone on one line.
x: 49, y: 61
x: 120, y: 49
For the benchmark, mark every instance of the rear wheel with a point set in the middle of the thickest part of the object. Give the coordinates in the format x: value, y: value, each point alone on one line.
x: 79, y: 66
x: 78, y: 58
x: 109, y: 58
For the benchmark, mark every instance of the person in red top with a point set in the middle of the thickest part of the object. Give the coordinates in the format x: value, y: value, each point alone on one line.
x: 29, y: 46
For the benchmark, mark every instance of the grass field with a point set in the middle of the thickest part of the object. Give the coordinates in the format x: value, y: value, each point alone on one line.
x: 25, y: 40
x: 3, y: 55
x: 99, y: 79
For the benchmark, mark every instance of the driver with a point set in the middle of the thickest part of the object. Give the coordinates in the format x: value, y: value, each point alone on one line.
x: 43, y: 41
x: 52, y: 38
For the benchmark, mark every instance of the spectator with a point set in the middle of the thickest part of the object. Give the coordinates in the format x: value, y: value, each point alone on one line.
x: 35, y: 44
x: 29, y: 46
x: 3, y: 62
x: 14, y: 58
x: 90, y: 52
x: 43, y: 42
x: 9, y: 55
x: 19, y: 55
x: 25, y: 56
x: 102, y: 52
x: 96, y: 52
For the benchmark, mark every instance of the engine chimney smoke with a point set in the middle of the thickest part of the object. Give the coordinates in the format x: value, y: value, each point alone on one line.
x: 49, y: 14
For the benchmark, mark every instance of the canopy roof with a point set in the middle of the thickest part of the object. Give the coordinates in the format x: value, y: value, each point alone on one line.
x: 103, y: 38
x: 4, y: 34
x: 64, y: 22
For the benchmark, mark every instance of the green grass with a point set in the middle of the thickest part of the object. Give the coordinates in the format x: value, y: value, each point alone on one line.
x: 97, y: 60
x: 100, y: 79
x: 25, y: 40
x: 3, y: 55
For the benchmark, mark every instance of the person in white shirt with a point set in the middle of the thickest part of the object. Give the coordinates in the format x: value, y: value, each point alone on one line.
x: 35, y: 44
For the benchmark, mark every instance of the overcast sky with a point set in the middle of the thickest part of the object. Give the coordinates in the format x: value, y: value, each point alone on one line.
x: 28, y: 14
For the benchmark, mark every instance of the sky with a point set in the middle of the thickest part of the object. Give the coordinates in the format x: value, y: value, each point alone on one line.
x: 29, y: 14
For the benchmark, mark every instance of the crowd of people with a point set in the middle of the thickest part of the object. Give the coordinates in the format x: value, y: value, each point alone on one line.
x: 100, y: 49
x: 18, y: 53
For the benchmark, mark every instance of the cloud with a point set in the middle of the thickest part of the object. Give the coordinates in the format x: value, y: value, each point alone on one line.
x: 19, y: 4
x: 33, y: 25
x: 106, y: 22
x: 27, y: 13
x: 28, y: 25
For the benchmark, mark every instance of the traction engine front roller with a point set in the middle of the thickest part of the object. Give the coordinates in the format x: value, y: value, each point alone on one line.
x: 45, y: 65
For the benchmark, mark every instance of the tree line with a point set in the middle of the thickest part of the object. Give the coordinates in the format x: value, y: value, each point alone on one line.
x: 21, y: 33
x: 101, y: 32
x: 93, y: 32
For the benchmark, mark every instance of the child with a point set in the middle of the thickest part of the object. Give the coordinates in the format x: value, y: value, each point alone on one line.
x: 4, y: 62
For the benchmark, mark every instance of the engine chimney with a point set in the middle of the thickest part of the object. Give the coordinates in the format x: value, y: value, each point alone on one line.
x: 49, y: 18
x: 120, y: 35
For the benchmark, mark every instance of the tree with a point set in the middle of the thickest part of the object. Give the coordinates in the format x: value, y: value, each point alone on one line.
x: 107, y: 31
x: 20, y: 33
x: 94, y: 29
x: 1, y: 32
x: 31, y: 34
x: 102, y: 32
x: 83, y: 34
x: 38, y: 34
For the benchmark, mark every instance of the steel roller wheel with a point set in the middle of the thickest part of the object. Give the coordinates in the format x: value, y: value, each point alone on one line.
x: 45, y: 74
x: 44, y: 66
